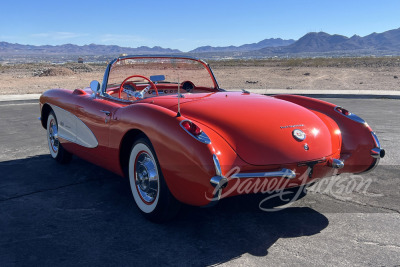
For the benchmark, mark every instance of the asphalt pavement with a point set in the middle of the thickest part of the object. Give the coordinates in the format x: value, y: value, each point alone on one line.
x: 82, y: 215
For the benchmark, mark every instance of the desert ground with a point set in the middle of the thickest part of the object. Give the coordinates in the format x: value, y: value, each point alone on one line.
x: 318, y: 74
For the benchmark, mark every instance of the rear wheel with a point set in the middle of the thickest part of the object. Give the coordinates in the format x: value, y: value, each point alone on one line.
x: 56, y: 149
x: 149, y: 190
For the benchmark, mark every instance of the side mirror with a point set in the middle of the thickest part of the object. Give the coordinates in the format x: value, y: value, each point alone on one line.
x: 95, y: 86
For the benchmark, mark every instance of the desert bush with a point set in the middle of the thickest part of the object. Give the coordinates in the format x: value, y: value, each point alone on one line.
x: 58, y: 71
x: 78, y: 67
x: 344, y: 62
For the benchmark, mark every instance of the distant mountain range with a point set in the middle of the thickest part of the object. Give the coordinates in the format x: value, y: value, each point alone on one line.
x: 93, y: 49
x: 314, y: 43
x: 321, y: 42
x: 71, y: 49
x: 272, y: 42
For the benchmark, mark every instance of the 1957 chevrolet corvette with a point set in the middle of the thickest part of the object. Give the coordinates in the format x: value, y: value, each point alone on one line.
x: 164, y: 122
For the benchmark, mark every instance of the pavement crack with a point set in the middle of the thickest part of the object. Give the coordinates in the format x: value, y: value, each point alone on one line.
x: 369, y: 242
x: 359, y: 203
x: 47, y: 190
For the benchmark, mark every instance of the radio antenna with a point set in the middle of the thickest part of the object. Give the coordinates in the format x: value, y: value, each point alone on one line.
x: 179, y: 98
x: 175, y: 65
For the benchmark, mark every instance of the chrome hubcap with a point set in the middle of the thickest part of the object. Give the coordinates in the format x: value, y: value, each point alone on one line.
x: 53, y: 136
x: 146, y: 177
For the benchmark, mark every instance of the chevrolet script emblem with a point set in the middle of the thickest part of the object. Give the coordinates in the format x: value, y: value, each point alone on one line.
x: 299, y: 135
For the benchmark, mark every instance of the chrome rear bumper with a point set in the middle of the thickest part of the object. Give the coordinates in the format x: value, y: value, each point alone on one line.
x: 377, y: 152
x: 219, y: 181
x: 284, y: 173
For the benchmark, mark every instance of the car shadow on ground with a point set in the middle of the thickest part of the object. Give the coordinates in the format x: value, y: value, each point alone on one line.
x: 81, y: 214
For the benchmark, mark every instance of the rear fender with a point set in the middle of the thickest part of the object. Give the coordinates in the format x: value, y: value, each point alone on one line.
x: 357, y: 136
x: 186, y: 163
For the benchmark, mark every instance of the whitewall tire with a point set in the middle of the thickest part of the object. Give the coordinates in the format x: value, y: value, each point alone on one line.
x: 57, y: 151
x: 149, y: 190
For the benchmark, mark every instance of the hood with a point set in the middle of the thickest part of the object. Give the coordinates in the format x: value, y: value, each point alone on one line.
x: 259, y: 128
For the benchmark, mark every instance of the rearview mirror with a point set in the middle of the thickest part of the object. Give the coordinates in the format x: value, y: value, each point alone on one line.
x: 95, y: 86
x: 157, y: 78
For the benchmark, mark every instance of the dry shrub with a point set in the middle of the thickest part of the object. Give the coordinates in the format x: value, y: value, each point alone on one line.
x: 60, y: 71
x: 79, y: 67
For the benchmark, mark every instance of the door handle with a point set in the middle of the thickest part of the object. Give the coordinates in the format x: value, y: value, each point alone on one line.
x: 108, y: 113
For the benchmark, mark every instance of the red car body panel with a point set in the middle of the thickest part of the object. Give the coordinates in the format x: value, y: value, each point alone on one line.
x: 247, y: 131
x: 261, y: 121
x: 357, y: 141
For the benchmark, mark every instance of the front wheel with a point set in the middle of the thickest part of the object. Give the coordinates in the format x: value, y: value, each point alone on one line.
x: 148, y: 186
x: 56, y: 149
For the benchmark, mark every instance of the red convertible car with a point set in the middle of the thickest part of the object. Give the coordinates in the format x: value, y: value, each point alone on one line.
x: 164, y: 122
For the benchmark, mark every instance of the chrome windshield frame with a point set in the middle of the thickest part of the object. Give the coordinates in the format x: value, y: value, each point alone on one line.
x: 110, y: 65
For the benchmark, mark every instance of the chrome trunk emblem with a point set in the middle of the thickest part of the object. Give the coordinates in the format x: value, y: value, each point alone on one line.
x: 299, y: 135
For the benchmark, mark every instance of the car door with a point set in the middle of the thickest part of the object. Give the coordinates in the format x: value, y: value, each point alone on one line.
x: 96, y: 114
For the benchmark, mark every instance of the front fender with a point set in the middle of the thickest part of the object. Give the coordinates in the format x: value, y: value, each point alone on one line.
x: 62, y: 98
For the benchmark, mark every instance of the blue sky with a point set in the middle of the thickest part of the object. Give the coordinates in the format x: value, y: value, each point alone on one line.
x: 186, y: 25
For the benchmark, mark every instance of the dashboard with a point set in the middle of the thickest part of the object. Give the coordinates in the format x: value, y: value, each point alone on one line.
x: 130, y: 88
x: 186, y: 87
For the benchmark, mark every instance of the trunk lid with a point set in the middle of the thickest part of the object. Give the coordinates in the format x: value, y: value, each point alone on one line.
x: 259, y: 128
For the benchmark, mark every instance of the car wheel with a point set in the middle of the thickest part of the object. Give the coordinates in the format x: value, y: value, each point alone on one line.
x: 148, y: 186
x: 56, y: 149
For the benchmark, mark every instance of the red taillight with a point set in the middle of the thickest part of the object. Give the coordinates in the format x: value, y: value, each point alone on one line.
x: 343, y: 111
x: 191, y: 128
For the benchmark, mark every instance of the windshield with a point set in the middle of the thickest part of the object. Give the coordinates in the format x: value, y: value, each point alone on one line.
x: 175, y: 70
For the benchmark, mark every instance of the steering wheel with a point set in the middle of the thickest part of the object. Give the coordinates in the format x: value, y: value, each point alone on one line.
x: 129, y: 86
x: 121, y: 87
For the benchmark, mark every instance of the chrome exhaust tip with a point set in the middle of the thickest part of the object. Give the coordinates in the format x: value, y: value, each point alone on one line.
x: 378, y: 153
x: 337, y: 164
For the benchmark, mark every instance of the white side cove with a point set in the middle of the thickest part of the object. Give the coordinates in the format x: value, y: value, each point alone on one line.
x: 72, y: 129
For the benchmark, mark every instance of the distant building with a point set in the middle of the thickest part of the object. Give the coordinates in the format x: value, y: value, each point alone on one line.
x: 123, y: 55
x: 80, y: 60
